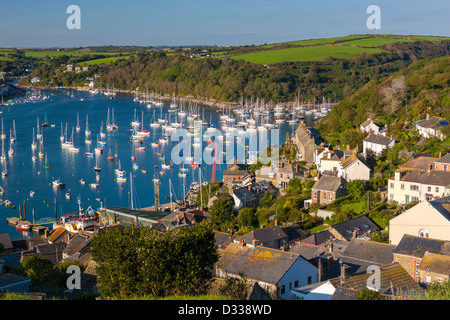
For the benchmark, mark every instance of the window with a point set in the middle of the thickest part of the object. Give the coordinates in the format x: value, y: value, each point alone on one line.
x: 445, y: 167
x: 429, y: 189
x: 324, y: 196
x: 329, y: 197
x: 315, y: 195
x: 309, y: 280
x: 402, y: 186
x: 436, y: 189
x: 427, y: 279
x: 391, y: 196
x: 414, y: 198
x: 392, y: 185
x: 296, y: 283
x: 414, y: 187
x: 282, y: 289
x: 424, y: 233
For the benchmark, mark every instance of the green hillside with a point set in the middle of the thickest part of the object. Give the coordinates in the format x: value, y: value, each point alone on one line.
x: 320, y: 49
x: 397, y: 101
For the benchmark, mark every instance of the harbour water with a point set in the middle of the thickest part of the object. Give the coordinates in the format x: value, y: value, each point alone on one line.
x: 27, y: 176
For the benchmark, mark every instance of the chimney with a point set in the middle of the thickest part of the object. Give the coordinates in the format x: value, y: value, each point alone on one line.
x: 345, y: 272
x: 354, y: 234
x: 329, y: 262
x: 330, y: 247
x: 428, y: 116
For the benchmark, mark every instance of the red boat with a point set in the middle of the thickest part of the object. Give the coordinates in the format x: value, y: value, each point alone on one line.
x: 194, y: 165
x: 23, y: 226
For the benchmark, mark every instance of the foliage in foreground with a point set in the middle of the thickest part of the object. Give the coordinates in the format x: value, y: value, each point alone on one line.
x: 141, y: 261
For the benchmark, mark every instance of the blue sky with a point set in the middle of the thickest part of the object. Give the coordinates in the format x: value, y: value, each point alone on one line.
x: 31, y: 23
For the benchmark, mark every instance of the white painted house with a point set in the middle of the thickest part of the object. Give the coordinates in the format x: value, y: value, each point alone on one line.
x: 275, y: 271
x: 377, y: 143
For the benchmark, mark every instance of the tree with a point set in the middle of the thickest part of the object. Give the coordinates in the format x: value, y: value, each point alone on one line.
x: 141, y: 261
x: 356, y: 188
x: 221, y: 211
x: 367, y: 294
x: 247, y: 218
x: 39, y: 270
x: 267, y: 200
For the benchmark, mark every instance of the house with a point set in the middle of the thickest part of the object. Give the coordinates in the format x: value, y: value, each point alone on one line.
x: 35, y: 80
x: 249, y: 197
x: 76, y: 248
x: 286, y: 173
x: 430, y: 219
x: 307, y: 140
x: 359, y: 227
x: 420, y: 163
x: 370, y: 127
x: 355, y: 167
x: 59, y: 235
x: 418, y: 185
x: 434, y: 267
x: 430, y: 127
x: 443, y: 163
x: 331, y: 161
x: 270, y: 237
x: 411, y: 250
x: 359, y: 254
x: 52, y: 252
x: 327, y: 189
x: 275, y: 271
x: 236, y: 175
x: 345, y: 287
x: 377, y: 143
x: 179, y: 218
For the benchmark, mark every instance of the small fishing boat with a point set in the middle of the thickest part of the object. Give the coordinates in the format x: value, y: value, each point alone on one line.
x: 23, y: 226
x: 82, y: 181
x: 58, y: 184
x: 31, y: 193
x: 68, y: 196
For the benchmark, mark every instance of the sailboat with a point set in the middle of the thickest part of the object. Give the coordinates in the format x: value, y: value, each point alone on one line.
x: 135, y: 122
x: 3, y: 135
x: 3, y: 156
x: 119, y: 172
x: 13, y: 135
x: 45, y: 123
x: 143, y: 132
x: 98, y: 149
x: 11, y: 150
x: 110, y: 124
x: 97, y: 167
x: 87, y: 131
x: 78, y: 128
x: 33, y: 143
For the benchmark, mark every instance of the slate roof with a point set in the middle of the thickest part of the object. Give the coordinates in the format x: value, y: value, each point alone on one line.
x: 370, y: 251
x: 258, y: 263
x: 436, y: 263
x: 5, y: 240
x: 419, y: 163
x: 442, y: 206
x: 264, y: 235
x: 361, y: 225
x: 392, y: 274
x: 352, y: 159
x: 444, y: 159
x: 319, y: 238
x: 77, y: 244
x: 328, y: 183
x: 377, y: 139
x: 433, y: 123
x: 417, y: 246
x: 434, y: 177
x: 11, y: 278
x: 222, y: 239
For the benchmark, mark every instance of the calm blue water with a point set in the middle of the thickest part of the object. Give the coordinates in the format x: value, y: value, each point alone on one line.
x: 25, y: 175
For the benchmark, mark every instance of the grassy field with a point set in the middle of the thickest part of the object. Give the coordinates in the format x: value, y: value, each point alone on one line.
x: 315, y: 53
x: 319, y: 49
x: 103, y: 60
